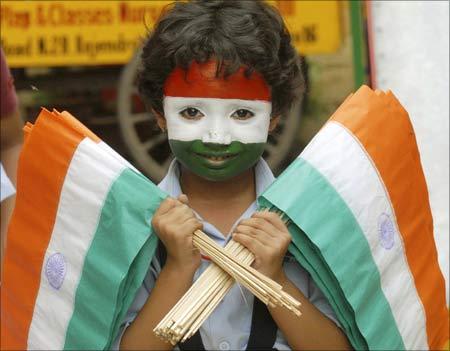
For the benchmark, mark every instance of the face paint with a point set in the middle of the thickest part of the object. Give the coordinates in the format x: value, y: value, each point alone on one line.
x: 218, y: 121
x: 216, y: 162
x: 217, y: 127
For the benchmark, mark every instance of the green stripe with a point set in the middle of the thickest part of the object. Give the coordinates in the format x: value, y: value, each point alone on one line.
x: 334, y: 242
x: 116, y: 262
x: 132, y: 284
x: 313, y: 262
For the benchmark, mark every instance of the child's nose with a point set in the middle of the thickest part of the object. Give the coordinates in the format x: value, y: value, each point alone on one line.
x: 217, y: 137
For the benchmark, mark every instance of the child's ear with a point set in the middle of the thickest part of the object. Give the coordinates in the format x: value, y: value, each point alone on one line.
x: 160, y: 120
x: 273, y: 123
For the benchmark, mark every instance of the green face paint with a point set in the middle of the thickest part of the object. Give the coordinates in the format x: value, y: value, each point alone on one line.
x: 216, y: 162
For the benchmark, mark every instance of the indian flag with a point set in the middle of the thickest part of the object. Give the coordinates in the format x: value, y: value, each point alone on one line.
x: 362, y: 225
x: 79, y: 243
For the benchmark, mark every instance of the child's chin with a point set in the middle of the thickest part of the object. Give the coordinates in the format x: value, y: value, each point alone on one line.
x: 219, y: 175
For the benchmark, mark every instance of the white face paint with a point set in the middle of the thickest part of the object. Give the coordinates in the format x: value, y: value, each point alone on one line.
x: 218, y: 121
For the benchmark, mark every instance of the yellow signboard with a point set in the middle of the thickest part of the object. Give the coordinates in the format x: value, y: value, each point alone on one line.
x: 63, y: 33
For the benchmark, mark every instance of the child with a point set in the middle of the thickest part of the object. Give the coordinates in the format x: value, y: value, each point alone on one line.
x: 219, y: 75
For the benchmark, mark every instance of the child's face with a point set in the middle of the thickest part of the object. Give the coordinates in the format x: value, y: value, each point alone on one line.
x: 217, y: 127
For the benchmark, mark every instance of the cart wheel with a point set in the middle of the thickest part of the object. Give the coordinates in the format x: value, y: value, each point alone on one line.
x: 148, y: 146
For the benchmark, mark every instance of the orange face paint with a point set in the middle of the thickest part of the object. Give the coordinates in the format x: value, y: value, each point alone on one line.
x: 200, y: 81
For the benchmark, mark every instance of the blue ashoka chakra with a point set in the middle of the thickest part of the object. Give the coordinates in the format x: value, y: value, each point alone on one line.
x: 55, y: 270
x: 386, y: 231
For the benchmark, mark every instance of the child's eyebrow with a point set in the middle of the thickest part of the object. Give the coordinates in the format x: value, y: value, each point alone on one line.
x: 255, y: 105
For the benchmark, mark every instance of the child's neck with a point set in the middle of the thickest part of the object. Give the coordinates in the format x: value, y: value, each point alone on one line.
x: 220, y: 203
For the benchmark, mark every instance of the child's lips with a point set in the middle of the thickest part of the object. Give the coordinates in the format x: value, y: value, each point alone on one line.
x: 218, y: 160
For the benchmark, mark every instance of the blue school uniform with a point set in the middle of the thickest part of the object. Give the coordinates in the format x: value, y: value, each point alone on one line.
x: 229, y: 325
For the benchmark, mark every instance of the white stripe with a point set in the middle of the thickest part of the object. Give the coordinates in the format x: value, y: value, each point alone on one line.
x: 217, y: 124
x: 339, y: 156
x: 90, y: 175
x: 113, y: 153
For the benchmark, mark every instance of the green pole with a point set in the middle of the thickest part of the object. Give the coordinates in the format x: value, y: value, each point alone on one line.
x: 359, y: 59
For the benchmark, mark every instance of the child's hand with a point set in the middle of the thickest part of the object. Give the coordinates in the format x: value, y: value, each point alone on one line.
x: 266, y: 236
x: 174, y: 223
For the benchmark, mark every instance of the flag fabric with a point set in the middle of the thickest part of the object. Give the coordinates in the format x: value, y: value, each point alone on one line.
x: 79, y: 242
x: 362, y: 226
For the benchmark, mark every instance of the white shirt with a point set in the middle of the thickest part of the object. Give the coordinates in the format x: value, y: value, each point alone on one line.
x: 228, y: 327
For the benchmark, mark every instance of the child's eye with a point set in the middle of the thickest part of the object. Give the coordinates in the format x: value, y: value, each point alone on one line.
x: 191, y: 113
x: 242, y: 114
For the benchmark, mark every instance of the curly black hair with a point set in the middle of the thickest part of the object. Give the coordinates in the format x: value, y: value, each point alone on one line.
x: 234, y: 33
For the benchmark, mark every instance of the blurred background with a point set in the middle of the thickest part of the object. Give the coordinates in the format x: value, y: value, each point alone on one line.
x: 82, y: 56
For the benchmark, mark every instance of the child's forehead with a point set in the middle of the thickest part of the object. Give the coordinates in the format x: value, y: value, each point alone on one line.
x: 200, y: 81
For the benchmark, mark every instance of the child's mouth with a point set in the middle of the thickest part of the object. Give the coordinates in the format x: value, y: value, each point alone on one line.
x: 217, y: 159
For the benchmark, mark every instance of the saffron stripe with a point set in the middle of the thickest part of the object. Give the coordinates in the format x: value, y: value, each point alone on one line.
x: 110, y: 272
x: 11, y: 332
x: 332, y: 227
x: 336, y: 154
x: 201, y: 80
x: 73, y: 123
x: 29, y: 230
x: 89, y: 177
x: 402, y: 173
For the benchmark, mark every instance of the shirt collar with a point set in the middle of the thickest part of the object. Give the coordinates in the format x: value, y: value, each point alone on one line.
x: 171, y: 182
x: 263, y: 177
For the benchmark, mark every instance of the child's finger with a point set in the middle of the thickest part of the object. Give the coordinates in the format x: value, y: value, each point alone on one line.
x: 192, y: 224
x: 179, y: 213
x: 166, y: 205
x: 261, y: 224
x: 255, y: 246
x: 183, y: 199
x: 256, y: 234
x: 273, y: 218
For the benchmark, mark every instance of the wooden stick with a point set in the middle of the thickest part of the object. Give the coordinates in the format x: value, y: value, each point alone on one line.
x: 236, y: 271
x: 188, y: 296
x: 213, y: 246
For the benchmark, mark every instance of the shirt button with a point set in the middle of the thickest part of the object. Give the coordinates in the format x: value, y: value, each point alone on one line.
x: 224, y: 346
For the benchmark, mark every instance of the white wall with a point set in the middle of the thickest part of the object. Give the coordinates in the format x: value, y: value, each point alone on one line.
x: 411, y: 52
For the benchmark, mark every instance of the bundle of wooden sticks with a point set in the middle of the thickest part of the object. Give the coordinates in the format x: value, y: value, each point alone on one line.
x: 231, y: 264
